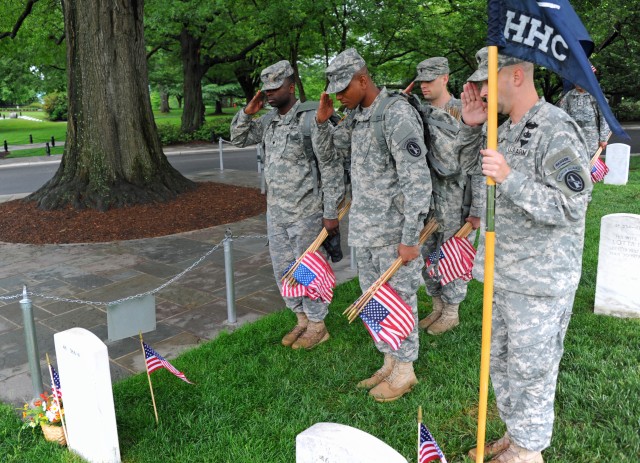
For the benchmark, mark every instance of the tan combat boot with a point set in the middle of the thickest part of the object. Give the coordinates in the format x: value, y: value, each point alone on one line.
x: 379, y: 375
x: 447, y: 321
x: 438, y: 305
x: 517, y: 454
x: 397, y: 384
x: 297, y: 330
x: 492, y: 448
x: 316, y: 333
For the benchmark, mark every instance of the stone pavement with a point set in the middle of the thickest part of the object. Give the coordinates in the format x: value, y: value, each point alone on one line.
x: 191, y: 310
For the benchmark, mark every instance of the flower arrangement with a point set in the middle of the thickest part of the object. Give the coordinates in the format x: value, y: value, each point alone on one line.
x: 46, y: 411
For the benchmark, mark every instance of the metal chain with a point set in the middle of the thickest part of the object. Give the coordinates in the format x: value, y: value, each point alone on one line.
x: 147, y: 293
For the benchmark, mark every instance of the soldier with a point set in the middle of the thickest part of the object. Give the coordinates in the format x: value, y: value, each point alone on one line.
x: 452, y: 189
x: 295, y: 215
x: 542, y: 174
x: 580, y: 105
x: 391, y: 190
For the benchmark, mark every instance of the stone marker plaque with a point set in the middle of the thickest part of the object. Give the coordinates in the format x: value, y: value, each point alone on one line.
x: 129, y: 318
x: 85, y: 380
x: 618, y: 280
x: 617, y: 161
x: 337, y: 443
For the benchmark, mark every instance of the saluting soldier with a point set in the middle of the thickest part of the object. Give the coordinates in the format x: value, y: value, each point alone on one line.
x: 295, y: 215
x: 541, y: 169
x: 391, y: 188
x: 457, y: 196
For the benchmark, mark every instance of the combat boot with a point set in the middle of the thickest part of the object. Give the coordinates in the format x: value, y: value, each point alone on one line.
x: 492, y: 448
x: 517, y: 454
x: 316, y: 333
x: 447, y: 321
x: 397, y: 384
x: 379, y: 375
x: 297, y: 330
x: 438, y: 305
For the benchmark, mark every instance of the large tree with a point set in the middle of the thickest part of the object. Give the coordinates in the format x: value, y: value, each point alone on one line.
x: 113, y: 156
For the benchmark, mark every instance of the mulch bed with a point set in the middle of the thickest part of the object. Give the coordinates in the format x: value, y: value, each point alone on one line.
x: 208, y: 205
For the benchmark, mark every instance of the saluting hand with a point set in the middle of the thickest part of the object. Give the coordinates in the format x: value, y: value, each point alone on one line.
x: 325, y: 109
x: 474, y: 108
x: 256, y: 104
x: 409, y: 89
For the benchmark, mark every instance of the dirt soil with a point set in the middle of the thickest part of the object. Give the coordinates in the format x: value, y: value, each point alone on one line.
x: 208, y: 205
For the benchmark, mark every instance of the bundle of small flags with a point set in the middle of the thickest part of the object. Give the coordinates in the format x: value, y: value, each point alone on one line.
x: 313, y: 277
x: 455, y: 261
x: 387, y: 317
x: 156, y: 361
x: 598, y: 171
x: 56, y: 390
x: 428, y: 449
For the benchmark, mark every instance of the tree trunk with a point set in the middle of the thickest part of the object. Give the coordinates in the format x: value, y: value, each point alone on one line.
x: 246, y: 81
x: 164, y: 101
x: 194, y: 71
x: 218, y: 107
x: 179, y: 100
x: 113, y: 156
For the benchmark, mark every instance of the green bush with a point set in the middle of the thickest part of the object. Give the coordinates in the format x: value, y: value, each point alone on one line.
x: 628, y: 111
x: 171, y: 133
x: 55, y: 105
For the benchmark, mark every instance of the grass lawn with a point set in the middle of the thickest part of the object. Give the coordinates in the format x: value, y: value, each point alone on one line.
x: 253, y: 396
x: 17, y: 131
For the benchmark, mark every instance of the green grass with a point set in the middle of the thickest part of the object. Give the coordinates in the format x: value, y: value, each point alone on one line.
x: 253, y: 396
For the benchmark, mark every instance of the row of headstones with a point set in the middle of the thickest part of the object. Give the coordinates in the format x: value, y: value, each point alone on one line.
x: 83, y: 364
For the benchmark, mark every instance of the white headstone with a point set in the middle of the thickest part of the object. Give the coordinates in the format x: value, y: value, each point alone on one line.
x: 85, y: 380
x: 337, y: 443
x: 617, y: 161
x: 618, y: 280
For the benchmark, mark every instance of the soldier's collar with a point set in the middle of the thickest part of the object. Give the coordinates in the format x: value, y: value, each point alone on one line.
x: 516, y: 130
x: 364, y: 114
x: 286, y: 118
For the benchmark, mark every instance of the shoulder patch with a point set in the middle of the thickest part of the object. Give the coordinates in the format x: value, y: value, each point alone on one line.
x: 409, y: 143
x: 565, y: 171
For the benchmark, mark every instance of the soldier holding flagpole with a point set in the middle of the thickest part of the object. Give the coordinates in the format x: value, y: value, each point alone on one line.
x: 542, y: 175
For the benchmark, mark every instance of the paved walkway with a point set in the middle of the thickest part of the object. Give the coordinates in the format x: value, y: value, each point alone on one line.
x: 189, y: 311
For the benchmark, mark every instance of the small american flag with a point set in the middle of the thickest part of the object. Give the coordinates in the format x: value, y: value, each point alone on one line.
x: 598, y: 171
x: 56, y: 390
x: 387, y: 317
x: 593, y: 68
x: 292, y: 290
x: 316, y: 276
x: 429, y: 449
x: 156, y: 361
x: 455, y: 261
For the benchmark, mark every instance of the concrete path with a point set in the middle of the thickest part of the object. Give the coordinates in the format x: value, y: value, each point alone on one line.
x: 189, y: 311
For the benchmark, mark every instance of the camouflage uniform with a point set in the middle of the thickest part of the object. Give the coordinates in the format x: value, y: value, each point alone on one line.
x: 294, y: 212
x: 539, y: 227
x: 390, y: 189
x: 583, y: 108
x: 448, y: 196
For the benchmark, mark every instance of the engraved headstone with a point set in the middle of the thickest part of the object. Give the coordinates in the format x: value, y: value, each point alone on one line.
x: 338, y: 443
x: 83, y: 365
x: 617, y: 161
x: 618, y: 280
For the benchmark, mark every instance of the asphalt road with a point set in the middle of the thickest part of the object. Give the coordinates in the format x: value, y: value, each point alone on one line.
x: 25, y: 179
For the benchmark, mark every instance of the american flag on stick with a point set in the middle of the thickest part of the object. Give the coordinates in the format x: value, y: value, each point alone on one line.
x: 56, y: 390
x: 156, y: 361
x: 598, y: 168
x: 313, y: 278
x: 428, y: 449
x: 455, y: 260
x: 387, y: 317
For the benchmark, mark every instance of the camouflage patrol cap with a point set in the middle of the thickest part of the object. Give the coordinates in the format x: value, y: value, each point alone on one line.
x: 273, y: 76
x: 482, y: 58
x: 431, y: 68
x: 341, y: 70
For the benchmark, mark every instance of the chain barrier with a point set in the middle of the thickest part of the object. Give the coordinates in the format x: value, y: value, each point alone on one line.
x: 147, y: 293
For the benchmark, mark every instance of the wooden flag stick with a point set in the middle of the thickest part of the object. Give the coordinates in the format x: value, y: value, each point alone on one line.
x: 354, y: 309
x: 464, y: 231
x: 57, y: 401
x: 419, y: 423
x: 153, y: 399
x: 597, y: 154
x: 287, y: 278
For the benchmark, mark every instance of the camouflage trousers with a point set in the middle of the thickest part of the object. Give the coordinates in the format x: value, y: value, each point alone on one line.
x: 451, y: 293
x: 592, y: 136
x: 286, y: 243
x: 527, y: 343
x: 373, y: 262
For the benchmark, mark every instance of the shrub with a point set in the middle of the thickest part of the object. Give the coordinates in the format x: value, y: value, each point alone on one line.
x: 628, y: 111
x: 171, y: 133
x: 55, y: 105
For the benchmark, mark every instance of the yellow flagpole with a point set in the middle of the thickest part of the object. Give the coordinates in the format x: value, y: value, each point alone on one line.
x: 57, y: 401
x: 490, y: 240
x: 153, y: 399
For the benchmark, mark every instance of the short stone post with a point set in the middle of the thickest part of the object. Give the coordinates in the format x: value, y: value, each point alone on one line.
x: 33, y: 355
x: 228, y: 273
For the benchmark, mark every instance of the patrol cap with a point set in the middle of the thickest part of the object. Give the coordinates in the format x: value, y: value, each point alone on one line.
x: 431, y: 68
x: 273, y: 76
x: 341, y: 70
x: 482, y: 58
